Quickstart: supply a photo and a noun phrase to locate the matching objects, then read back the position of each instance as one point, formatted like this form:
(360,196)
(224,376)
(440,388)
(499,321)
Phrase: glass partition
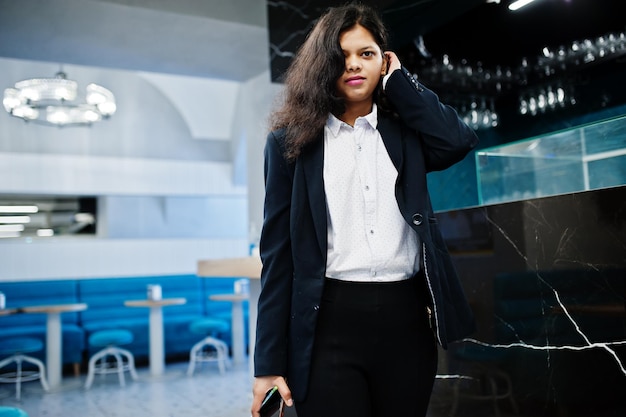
(581,158)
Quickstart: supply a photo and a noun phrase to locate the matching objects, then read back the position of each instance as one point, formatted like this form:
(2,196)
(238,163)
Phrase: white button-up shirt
(368,240)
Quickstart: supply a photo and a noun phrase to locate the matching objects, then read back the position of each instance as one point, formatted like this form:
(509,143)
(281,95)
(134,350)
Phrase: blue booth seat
(106,298)
(32,293)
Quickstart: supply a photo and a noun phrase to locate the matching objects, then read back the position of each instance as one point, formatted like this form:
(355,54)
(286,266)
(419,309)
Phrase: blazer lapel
(313,167)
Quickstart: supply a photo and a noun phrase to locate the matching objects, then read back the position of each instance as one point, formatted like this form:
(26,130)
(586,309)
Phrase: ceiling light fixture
(14,219)
(19,209)
(54,101)
(518,4)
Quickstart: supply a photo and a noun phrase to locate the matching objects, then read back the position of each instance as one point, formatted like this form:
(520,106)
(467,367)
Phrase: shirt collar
(334,124)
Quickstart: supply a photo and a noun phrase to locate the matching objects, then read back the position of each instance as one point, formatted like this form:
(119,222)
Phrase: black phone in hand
(271,403)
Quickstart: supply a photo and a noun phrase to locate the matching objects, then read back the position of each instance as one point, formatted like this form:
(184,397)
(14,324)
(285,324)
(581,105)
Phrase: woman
(357,284)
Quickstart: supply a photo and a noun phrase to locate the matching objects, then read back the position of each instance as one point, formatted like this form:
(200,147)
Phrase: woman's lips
(355,81)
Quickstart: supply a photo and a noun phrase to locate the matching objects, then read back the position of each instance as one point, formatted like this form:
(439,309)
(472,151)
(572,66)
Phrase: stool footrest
(111,360)
(208,349)
(19,375)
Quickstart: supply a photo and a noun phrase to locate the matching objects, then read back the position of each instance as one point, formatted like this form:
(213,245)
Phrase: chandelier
(54,101)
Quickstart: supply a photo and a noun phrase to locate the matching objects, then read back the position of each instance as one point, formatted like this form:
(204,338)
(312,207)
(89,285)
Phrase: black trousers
(374,354)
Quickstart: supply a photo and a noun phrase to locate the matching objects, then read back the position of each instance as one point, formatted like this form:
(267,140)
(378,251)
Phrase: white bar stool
(111,359)
(17,348)
(209,349)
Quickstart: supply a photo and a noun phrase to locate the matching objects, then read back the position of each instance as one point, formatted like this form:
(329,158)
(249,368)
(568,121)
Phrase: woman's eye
(368,53)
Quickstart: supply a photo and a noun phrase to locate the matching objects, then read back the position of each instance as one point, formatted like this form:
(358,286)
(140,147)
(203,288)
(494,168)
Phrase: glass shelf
(581,158)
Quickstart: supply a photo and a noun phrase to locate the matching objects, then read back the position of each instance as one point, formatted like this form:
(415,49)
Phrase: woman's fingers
(392,59)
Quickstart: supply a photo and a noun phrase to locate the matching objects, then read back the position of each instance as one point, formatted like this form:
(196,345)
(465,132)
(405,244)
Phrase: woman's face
(365,64)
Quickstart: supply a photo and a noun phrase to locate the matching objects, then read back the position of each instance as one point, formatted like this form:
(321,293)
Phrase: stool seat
(111,358)
(20,345)
(206,326)
(12,412)
(16,349)
(209,349)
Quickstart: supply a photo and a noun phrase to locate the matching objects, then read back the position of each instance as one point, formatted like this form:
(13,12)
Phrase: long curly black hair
(309,93)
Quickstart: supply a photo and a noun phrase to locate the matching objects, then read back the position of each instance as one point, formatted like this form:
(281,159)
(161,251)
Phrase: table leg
(238,334)
(157,355)
(54,349)
(255,291)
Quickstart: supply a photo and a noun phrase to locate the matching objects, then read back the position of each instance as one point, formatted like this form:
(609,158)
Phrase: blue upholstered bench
(106,298)
(31,293)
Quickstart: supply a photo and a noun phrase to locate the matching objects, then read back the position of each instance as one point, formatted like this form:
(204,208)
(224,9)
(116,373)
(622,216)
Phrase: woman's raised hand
(393,63)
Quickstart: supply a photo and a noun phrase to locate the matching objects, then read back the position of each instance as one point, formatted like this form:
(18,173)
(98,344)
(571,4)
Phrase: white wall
(61,258)
(257,97)
(166,198)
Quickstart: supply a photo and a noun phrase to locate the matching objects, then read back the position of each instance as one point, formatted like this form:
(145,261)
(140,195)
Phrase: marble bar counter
(546,280)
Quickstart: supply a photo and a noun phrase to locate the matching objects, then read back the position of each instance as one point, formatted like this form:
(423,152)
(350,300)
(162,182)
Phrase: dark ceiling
(290,21)
(491,33)
(482,35)
(165,37)
(475,30)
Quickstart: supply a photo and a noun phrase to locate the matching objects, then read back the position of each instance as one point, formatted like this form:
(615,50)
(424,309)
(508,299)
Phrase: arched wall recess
(207,105)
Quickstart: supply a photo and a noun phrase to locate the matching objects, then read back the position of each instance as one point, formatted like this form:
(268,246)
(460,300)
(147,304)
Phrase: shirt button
(367,188)
(371,232)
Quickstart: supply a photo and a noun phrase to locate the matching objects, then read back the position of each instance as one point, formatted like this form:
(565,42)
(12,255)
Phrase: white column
(54,350)
(255,291)
(157,348)
(238,334)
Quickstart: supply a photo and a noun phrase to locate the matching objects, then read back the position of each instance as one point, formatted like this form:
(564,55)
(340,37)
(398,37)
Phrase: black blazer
(428,136)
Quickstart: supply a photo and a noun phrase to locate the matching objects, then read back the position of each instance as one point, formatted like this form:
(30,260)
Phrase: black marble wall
(546,279)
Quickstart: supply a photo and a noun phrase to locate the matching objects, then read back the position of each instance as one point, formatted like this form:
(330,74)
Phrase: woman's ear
(383,70)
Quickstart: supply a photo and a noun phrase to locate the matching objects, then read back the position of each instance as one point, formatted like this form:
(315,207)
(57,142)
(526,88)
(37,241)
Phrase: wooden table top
(54,308)
(229,297)
(8,311)
(155,303)
(248,267)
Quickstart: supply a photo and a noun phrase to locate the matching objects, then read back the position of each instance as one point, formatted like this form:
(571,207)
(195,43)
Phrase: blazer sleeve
(274,305)
(446,138)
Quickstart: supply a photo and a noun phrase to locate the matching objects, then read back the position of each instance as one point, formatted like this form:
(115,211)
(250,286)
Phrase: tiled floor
(205,394)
